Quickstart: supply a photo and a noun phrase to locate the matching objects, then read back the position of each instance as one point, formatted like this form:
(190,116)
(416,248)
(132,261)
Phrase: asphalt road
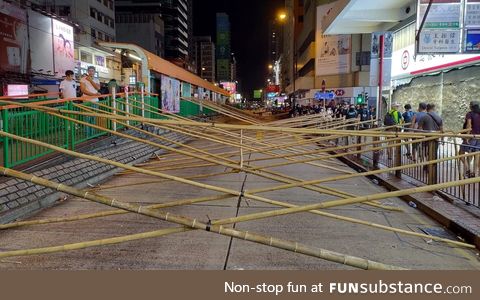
(206,250)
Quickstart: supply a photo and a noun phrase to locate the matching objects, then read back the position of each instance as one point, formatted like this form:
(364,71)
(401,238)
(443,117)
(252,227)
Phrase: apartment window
(110,4)
(105,2)
(112,23)
(93,33)
(100,16)
(93,12)
(100,35)
(105,20)
(86,57)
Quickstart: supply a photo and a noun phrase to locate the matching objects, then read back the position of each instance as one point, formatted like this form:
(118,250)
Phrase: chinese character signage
(451,26)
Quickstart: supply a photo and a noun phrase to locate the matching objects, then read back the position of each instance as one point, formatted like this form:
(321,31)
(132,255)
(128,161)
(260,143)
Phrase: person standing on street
(432,122)
(422,112)
(68,87)
(90,85)
(407,120)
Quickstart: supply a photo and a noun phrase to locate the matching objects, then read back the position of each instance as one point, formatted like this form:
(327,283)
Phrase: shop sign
(100,69)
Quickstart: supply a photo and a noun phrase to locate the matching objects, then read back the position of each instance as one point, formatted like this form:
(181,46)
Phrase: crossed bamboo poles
(291,184)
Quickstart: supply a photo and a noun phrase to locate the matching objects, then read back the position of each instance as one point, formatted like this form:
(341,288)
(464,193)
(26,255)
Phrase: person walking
(392,118)
(432,122)
(422,112)
(68,86)
(407,120)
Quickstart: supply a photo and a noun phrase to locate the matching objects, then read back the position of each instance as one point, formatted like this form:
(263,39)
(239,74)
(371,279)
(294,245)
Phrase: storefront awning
(360,16)
(152,62)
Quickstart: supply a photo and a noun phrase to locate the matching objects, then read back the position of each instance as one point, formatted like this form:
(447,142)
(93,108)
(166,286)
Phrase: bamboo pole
(254,127)
(214,228)
(183,202)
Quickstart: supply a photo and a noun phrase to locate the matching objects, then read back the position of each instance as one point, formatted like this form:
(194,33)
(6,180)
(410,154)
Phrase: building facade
(223,51)
(144,27)
(177,23)
(205,57)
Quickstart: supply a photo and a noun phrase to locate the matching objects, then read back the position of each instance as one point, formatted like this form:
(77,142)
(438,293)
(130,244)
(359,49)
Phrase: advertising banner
(186,90)
(231,87)
(334,52)
(13,38)
(170,94)
(63,47)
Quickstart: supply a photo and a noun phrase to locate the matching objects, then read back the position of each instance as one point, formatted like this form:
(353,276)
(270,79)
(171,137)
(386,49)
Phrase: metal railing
(39,125)
(409,154)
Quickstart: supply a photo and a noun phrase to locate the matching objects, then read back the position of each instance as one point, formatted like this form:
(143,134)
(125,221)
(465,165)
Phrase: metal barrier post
(114,106)
(69,125)
(142,90)
(398,160)
(376,154)
(359,148)
(6,150)
(127,104)
(432,155)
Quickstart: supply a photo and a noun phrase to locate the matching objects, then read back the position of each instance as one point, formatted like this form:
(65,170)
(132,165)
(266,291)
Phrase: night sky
(249,23)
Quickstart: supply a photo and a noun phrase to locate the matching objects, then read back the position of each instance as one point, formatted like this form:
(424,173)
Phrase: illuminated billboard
(63,47)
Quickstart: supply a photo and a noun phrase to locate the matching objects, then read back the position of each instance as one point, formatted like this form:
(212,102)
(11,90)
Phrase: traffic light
(360,99)
(366,97)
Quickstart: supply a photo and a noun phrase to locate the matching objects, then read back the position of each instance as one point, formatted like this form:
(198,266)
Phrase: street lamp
(270,67)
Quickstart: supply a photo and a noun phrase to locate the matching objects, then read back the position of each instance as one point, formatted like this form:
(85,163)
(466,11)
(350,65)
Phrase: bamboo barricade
(214,228)
(277,156)
(256,127)
(251,149)
(280,177)
(276,176)
(300,183)
(269,175)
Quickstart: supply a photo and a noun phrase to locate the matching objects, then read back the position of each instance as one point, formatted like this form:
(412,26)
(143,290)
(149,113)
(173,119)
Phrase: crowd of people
(344,110)
(424,118)
(427,119)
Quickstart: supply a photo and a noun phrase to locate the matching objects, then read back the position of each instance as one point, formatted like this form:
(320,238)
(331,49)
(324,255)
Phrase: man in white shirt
(90,85)
(68,87)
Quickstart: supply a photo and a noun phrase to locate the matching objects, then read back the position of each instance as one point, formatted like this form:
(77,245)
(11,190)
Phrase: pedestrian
(472,124)
(393,117)
(68,86)
(407,119)
(431,122)
(365,116)
(90,85)
(408,114)
(422,112)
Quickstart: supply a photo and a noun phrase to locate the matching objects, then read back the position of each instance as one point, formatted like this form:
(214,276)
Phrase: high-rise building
(176,15)
(141,27)
(205,57)
(293,26)
(233,68)
(223,53)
